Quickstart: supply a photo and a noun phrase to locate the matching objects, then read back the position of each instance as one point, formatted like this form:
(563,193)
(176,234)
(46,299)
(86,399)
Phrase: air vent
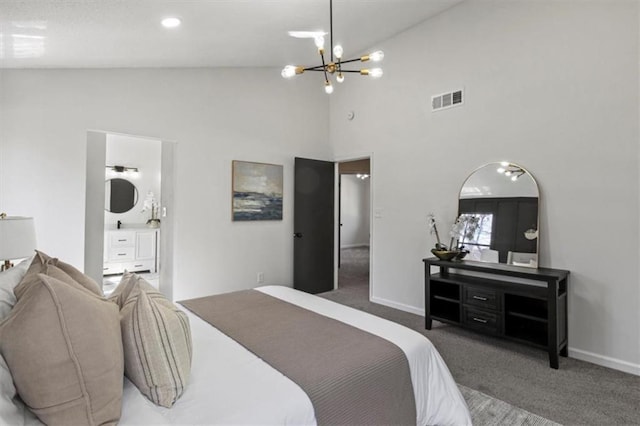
(446,100)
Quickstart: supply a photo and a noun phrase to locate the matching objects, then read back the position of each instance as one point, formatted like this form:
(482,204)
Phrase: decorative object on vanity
(504,199)
(151,205)
(257,191)
(334,65)
(455,251)
(444,254)
(17,239)
(535,313)
(120,195)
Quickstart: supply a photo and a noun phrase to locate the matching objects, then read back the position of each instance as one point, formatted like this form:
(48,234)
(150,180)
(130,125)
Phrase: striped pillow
(156,339)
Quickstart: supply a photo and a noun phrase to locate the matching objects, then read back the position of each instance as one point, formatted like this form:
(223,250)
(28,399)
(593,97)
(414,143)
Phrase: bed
(230,385)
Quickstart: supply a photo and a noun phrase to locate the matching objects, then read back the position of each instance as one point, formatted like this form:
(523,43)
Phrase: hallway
(353,274)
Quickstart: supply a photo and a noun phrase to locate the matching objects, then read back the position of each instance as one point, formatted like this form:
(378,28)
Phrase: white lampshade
(17,237)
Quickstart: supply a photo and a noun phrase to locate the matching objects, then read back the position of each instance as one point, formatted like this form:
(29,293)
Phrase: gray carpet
(579,393)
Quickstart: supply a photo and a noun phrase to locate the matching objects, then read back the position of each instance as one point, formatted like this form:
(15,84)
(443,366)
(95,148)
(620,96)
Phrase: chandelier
(511,171)
(335,63)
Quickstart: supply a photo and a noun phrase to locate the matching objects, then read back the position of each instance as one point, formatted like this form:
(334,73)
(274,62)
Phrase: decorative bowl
(444,254)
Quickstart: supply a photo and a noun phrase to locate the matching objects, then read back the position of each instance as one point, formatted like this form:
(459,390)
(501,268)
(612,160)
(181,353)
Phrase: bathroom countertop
(129,227)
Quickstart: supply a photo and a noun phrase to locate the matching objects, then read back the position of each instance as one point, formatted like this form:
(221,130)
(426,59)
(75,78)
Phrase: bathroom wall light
(122,169)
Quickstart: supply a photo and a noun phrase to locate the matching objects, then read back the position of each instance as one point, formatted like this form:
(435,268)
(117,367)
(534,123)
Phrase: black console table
(496,303)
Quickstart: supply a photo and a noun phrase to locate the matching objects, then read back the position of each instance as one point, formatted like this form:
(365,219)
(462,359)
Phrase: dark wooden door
(313,225)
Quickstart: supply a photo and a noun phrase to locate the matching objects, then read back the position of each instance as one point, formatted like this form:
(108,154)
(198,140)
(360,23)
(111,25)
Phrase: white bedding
(230,385)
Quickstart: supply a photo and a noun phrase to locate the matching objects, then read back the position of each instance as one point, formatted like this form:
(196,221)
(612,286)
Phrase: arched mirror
(499,206)
(120,195)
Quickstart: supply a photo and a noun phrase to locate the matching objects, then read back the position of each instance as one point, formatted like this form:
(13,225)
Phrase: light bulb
(319,42)
(328,88)
(504,163)
(288,71)
(375,72)
(340,78)
(501,170)
(514,178)
(358,175)
(376,56)
(507,173)
(171,22)
(337,51)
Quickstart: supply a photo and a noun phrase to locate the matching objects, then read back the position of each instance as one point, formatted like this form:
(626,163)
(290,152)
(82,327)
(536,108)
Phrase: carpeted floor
(579,393)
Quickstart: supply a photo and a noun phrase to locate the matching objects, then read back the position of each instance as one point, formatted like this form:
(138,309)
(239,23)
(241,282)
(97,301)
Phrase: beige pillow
(40,262)
(39,265)
(64,350)
(156,340)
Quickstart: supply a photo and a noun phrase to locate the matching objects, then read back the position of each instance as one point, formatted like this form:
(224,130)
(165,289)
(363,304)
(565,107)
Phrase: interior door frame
(337,161)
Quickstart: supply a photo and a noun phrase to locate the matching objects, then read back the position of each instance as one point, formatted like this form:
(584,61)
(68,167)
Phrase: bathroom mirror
(500,204)
(120,195)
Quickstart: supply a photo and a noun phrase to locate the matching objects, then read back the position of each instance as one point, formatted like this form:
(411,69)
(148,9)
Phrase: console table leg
(564,351)
(554,362)
(428,322)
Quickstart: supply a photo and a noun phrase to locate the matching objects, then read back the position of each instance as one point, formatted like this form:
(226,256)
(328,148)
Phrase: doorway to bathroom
(129,194)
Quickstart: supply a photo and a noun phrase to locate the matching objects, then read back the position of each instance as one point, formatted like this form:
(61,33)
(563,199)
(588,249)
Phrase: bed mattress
(230,385)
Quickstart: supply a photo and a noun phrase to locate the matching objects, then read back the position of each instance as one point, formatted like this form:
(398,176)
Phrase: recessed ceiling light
(170,22)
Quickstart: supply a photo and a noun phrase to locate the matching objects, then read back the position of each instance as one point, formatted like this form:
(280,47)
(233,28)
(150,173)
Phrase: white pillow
(8,280)
(12,410)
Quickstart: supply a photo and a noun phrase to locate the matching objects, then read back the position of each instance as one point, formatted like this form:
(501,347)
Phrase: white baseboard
(399,306)
(602,360)
(353,245)
(605,361)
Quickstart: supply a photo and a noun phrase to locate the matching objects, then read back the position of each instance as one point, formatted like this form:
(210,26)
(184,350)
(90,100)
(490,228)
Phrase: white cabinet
(133,250)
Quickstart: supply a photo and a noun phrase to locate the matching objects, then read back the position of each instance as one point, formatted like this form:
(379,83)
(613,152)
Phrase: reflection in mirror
(501,200)
(120,195)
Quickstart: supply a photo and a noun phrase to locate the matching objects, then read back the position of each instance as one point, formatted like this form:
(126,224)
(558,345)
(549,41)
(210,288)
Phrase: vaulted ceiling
(214,33)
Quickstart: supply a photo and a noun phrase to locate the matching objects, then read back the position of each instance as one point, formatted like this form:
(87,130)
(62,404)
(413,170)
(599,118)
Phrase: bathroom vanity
(134,249)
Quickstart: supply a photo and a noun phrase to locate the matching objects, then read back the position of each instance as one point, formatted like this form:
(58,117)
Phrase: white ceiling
(214,33)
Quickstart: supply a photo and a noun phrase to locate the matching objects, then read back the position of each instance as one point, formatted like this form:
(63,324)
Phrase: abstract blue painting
(257,191)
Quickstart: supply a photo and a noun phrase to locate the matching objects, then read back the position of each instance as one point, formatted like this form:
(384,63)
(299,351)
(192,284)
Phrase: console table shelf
(527,305)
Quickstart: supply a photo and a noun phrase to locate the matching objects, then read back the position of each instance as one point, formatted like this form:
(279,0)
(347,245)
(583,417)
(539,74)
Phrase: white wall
(552,86)
(354,211)
(215,116)
(143,154)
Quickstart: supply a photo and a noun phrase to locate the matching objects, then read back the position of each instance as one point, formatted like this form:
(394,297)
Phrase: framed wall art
(256,191)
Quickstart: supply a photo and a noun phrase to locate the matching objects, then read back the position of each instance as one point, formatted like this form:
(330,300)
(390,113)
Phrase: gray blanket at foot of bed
(351,376)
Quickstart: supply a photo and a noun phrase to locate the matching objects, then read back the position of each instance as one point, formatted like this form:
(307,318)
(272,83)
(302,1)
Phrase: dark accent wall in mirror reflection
(504,199)
(512,216)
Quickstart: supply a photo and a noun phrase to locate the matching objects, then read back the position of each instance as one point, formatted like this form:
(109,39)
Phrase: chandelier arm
(352,60)
(324,67)
(358,71)
(315,68)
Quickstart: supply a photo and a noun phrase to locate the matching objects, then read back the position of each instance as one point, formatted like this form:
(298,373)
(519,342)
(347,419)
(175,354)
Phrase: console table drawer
(481,320)
(486,298)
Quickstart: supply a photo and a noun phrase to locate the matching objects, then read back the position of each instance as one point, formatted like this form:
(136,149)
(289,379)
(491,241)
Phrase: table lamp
(17,239)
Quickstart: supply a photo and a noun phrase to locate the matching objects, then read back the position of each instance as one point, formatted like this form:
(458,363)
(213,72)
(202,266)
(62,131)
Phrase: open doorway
(354,231)
(132,203)
(130,189)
